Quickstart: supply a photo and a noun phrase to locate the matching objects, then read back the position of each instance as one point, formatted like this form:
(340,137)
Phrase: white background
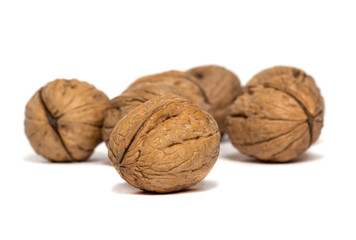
(110,44)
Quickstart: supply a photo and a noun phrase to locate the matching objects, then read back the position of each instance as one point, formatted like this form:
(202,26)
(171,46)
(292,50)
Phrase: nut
(167,144)
(130,99)
(63,120)
(221,87)
(187,86)
(278,116)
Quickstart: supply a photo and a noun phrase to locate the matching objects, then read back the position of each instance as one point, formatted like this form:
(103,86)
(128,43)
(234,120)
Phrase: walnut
(63,120)
(165,145)
(278,116)
(180,80)
(130,99)
(221,87)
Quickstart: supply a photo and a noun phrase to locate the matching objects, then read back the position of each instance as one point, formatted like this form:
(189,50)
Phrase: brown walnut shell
(165,145)
(130,99)
(63,120)
(221,87)
(278,116)
(187,86)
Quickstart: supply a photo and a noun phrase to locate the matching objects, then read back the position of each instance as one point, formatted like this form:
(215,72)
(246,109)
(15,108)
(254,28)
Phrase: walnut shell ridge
(221,87)
(63,120)
(278,116)
(167,144)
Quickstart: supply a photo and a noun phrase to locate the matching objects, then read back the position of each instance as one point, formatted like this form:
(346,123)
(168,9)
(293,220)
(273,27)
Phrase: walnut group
(163,132)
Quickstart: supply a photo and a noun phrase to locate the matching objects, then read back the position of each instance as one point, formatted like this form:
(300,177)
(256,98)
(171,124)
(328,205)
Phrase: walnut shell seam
(53,123)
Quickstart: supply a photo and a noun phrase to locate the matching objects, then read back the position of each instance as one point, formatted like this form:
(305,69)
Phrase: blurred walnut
(221,87)
(63,120)
(166,144)
(130,99)
(278,116)
(186,86)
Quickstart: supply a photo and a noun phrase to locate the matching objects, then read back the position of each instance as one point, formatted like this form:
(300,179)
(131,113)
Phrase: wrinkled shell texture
(180,80)
(63,120)
(167,144)
(130,99)
(278,116)
(221,87)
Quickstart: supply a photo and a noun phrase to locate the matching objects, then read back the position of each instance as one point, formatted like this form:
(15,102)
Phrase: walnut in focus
(278,116)
(221,87)
(63,120)
(165,145)
(130,99)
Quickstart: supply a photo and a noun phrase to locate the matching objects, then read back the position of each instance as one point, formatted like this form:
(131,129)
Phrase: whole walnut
(130,99)
(221,87)
(165,145)
(278,116)
(180,80)
(63,120)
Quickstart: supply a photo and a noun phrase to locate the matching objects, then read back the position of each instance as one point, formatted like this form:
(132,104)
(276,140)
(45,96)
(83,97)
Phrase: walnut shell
(278,116)
(188,87)
(221,87)
(130,99)
(63,120)
(167,144)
